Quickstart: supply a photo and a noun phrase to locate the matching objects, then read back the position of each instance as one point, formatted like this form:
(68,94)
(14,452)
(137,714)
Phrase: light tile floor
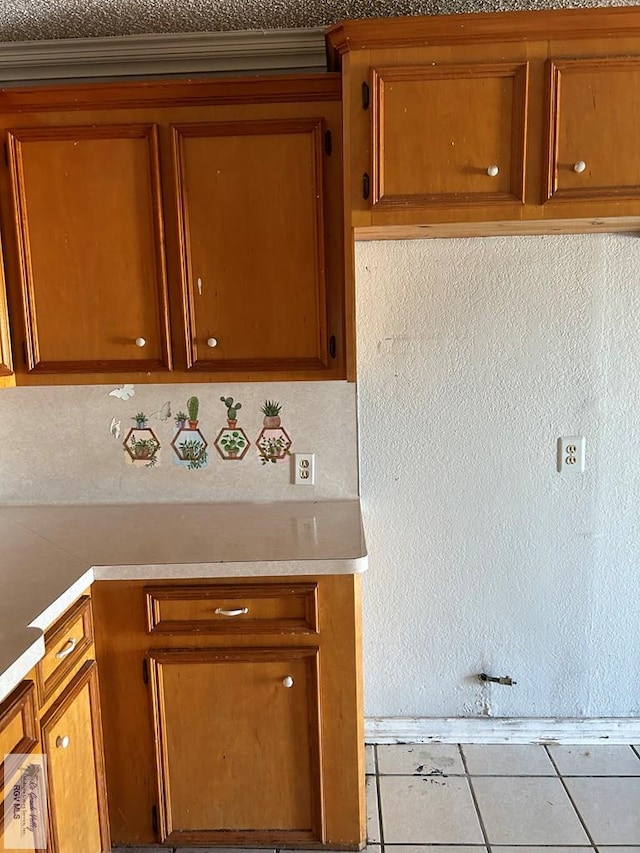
(503,798)
(447,798)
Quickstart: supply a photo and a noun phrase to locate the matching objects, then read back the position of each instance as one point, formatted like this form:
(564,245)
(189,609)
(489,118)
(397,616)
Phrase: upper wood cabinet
(251,216)
(91,248)
(429,150)
(517,122)
(594,118)
(175,231)
(7,377)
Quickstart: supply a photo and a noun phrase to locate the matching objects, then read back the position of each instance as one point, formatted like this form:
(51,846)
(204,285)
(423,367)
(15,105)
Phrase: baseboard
(502,730)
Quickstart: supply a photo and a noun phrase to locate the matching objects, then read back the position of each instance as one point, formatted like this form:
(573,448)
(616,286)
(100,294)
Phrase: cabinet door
(7,378)
(90,247)
(25,830)
(446,135)
(250,208)
(237,738)
(594,119)
(72,738)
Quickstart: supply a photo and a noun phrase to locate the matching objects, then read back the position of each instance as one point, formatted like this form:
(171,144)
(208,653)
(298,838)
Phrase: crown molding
(233,52)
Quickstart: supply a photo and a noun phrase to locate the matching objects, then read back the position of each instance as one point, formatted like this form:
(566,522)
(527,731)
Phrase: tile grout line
(475,801)
(568,793)
(379,799)
(520,776)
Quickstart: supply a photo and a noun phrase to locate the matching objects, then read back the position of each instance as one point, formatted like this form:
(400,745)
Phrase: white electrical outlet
(571,454)
(304,469)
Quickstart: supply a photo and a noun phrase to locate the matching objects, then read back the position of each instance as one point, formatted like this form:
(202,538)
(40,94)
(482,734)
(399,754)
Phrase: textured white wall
(474,356)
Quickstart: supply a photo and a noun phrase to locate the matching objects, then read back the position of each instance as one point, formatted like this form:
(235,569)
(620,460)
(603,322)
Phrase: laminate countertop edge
(45,556)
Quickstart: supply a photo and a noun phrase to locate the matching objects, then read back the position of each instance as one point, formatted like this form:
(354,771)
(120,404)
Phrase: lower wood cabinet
(19,737)
(76,785)
(235,729)
(55,711)
(219,712)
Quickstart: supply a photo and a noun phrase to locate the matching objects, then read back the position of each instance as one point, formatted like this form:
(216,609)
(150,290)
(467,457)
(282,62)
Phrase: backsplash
(176,443)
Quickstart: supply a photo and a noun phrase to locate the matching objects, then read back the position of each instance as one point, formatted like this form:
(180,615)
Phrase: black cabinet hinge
(366,188)
(145,671)
(154,819)
(365,96)
(332,346)
(328,143)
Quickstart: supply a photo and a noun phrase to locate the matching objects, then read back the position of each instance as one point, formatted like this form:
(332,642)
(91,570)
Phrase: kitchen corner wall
(474,357)
(65,444)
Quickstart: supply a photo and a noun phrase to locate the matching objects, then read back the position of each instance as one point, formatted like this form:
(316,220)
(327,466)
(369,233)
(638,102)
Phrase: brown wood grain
(237,751)
(91,247)
(76,782)
(122,644)
(268,609)
(251,226)
(18,726)
(594,116)
(432,147)
(272,268)
(480,28)
(75,625)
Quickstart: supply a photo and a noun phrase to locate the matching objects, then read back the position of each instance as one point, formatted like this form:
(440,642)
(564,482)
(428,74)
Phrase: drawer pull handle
(68,647)
(240,611)
(141,342)
(62,741)
(492,171)
(580,166)
(287,681)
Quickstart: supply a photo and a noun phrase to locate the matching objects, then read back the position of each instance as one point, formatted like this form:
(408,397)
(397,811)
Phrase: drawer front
(272,608)
(65,646)
(18,730)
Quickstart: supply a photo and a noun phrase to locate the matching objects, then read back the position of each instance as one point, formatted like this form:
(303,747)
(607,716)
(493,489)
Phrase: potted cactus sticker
(193,407)
(232,441)
(232,411)
(273,442)
(189,444)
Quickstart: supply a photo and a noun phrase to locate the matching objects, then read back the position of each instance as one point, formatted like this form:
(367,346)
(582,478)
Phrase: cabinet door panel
(594,117)
(90,244)
(250,206)
(238,751)
(437,130)
(72,739)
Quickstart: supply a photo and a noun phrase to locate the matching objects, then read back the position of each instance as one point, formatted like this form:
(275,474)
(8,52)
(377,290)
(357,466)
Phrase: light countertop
(51,554)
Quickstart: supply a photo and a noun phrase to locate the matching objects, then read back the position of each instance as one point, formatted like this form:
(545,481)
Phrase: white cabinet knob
(140,342)
(212,342)
(62,742)
(580,166)
(287,681)
(492,171)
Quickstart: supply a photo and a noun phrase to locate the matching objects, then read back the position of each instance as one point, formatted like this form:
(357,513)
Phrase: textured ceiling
(26,20)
